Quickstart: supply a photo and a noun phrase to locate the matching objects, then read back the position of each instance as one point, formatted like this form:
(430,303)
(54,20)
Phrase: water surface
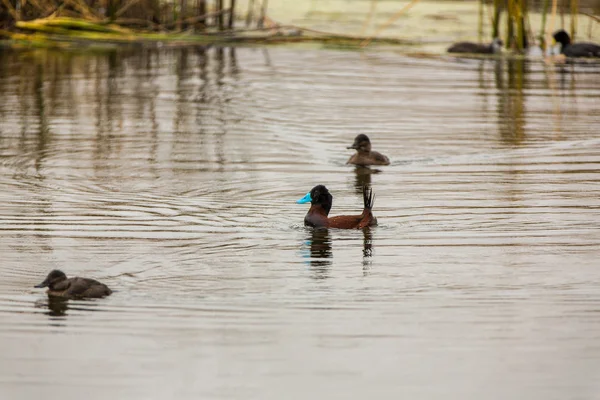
(170,174)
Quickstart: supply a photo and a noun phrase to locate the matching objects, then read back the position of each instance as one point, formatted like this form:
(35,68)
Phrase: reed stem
(480,20)
(552,21)
(510,28)
(220,19)
(496,19)
(263,13)
(231,14)
(369,17)
(574,12)
(389,22)
(250,13)
(523,16)
(201,12)
(543,43)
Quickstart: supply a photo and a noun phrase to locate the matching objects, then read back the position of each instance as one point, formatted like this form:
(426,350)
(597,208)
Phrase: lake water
(171,175)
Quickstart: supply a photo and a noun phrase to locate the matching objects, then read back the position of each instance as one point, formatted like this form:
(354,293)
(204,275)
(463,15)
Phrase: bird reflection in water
(362,177)
(319,254)
(367,250)
(57,306)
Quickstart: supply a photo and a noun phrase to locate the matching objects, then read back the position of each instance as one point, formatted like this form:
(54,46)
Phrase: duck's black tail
(367,218)
(368,197)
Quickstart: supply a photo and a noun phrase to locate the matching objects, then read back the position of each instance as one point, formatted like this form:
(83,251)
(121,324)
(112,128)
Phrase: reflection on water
(170,174)
(319,244)
(320,255)
(363,177)
(57,306)
(511,104)
(367,245)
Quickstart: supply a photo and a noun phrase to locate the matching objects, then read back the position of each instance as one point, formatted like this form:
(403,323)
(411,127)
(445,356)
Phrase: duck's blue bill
(305,199)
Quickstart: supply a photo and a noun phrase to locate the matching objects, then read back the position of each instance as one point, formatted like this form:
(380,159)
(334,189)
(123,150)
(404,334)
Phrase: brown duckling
(475,48)
(364,155)
(73,288)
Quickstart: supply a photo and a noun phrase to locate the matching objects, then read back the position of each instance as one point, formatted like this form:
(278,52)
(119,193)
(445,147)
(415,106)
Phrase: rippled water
(171,175)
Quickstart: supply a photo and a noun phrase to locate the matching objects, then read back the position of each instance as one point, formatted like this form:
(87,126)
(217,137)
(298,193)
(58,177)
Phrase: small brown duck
(364,156)
(475,48)
(73,288)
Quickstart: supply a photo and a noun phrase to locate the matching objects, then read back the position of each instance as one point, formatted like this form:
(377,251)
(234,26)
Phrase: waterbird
(320,204)
(364,155)
(73,288)
(581,49)
(476,48)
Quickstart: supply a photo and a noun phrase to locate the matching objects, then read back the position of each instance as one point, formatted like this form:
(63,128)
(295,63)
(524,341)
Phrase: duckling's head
(54,277)
(562,37)
(361,143)
(319,195)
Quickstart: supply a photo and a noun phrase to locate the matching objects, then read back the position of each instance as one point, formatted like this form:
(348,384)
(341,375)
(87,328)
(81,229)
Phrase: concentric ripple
(171,175)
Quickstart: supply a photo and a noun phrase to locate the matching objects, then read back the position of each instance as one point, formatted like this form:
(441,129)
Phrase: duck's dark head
(319,195)
(562,37)
(54,277)
(361,143)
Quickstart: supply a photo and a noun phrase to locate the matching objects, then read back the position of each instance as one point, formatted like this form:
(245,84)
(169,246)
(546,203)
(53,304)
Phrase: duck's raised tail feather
(368,197)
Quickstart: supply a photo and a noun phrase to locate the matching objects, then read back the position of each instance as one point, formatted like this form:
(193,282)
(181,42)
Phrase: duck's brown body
(79,288)
(476,48)
(73,288)
(317,218)
(368,158)
(364,155)
(321,202)
(471,48)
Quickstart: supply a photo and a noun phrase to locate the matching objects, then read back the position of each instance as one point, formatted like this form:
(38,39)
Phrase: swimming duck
(476,48)
(364,155)
(577,49)
(321,201)
(73,288)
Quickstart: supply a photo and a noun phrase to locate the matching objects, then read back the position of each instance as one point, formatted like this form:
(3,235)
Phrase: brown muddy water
(171,175)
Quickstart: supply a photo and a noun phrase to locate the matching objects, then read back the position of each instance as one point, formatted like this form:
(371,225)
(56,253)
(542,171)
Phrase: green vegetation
(519,32)
(43,22)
